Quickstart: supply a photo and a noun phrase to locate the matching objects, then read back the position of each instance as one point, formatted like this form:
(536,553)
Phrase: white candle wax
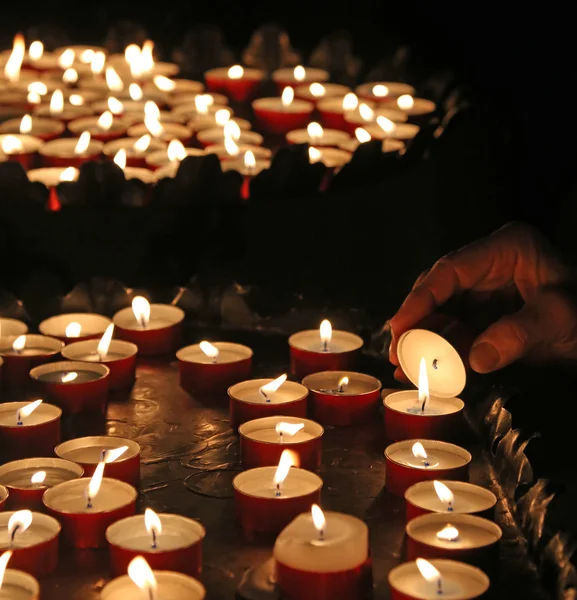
(44,413)
(249,391)
(328,382)
(170,586)
(12,327)
(68,113)
(28,143)
(18,585)
(310,340)
(260,483)
(161,316)
(91,125)
(384,91)
(330,90)
(36,345)
(51,176)
(88,450)
(408,401)
(127,144)
(421,106)
(468,498)
(227,353)
(264,430)
(144,175)
(239,165)
(440,455)
(287,76)
(42,529)
(344,546)
(330,137)
(39,127)
(18,473)
(64,148)
(91,324)
(272,437)
(222,73)
(88,351)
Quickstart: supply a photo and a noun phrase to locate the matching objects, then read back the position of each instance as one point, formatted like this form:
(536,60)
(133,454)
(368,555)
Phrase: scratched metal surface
(190,456)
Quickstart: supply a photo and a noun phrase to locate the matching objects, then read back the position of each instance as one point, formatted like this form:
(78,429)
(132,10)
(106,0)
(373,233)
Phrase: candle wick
(88,502)
(102,455)
(280,438)
(425,399)
(439,586)
(340,389)
(435,364)
(325,346)
(267,399)
(321,535)
(150,592)
(450,507)
(154,544)
(14,534)
(426,462)
(19,419)
(277,492)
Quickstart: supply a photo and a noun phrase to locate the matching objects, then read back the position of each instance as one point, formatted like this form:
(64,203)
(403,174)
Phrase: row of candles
(316,555)
(148,143)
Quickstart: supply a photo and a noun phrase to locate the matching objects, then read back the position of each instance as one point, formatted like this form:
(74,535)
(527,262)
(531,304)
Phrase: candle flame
(76,99)
(366,112)
(222,117)
(83,143)
(14,62)
(273,386)
(112,454)
(419,451)
(299,73)
(288,428)
(319,519)
(141,310)
(29,409)
(33,98)
(38,87)
(115,106)
(70,75)
(380,90)
(135,92)
(142,143)
(120,159)
(19,522)
(249,159)
(287,460)
(105,120)
(343,382)
(151,110)
(113,80)
(95,483)
(26,124)
(152,522)
(176,151)
(4,558)
(19,343)
(57,102)
(362,135)
(73,330)
(164,84)
(87,56)
(350,101)
(317,90)
(11,145)
(104,343)
(326,332)
(427,570)
(141,574)
(231,147)
(287,96)
(423,384)
(69,377)
(66,59)
(132,53)
(315,130)
(232,130)
(68,174)
(235,72)
(36,50)
(146,58)
(449,533)
(444,493)
(386,124)
(405,102)
(315,155)
(97,63)
(201,103)
(38,478)
(210,350)
(154,126)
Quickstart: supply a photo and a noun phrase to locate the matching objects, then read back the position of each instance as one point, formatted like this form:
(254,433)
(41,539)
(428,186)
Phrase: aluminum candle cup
(262,441)
(247,402)
(87,452)
(34,549)
(200,373)
(449,497)
(343,397)
(84,527)
(413,461)
(18,585)
(120,359)
(383,91)
(18,477)
(74,386)
(177,548)
(75,327)
(43,129)
(27,435)
(169,585)
(37,350)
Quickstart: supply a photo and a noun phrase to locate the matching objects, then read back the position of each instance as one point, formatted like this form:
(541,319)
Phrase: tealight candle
(28,479)
(67,113)
(20,147)
(448,497)
(258,398)
(281,115)
(144,175)
(213,367)
(441,578)
(248,166)
(175,153)
(87,507)
(29,429)
(166,541)
(22,353)
(117,355)
(262,441)
(154,328)
(229,150)
(137,149)
(315,135)
(33,540)
(74,386)
(413,461)
(383,91)
(472,539)
(237,82)
(166,131)
(4,497)
(267,499)
(142,582)
(388,119)
(104,128)
(53,176)
(68,152)
(192,105)
(43,129)
(323,349)
(122,456)
(75,326)
(297,76)
(332,158)
(12,327)
(173,87)
(343,397)
(321,556)
(388,146)
(217,135)
(334,111)
(415,107)
(17,585)
(315,92)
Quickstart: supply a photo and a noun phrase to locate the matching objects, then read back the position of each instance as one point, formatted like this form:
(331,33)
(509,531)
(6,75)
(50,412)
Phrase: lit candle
(75,326)
(332,158)
(173,155)
(16,585)
(52,176)
(315,135)
(71,151)
(237,82)
(229,150)
(362,136)
(61,111)
(20,148)
(231,130)
(383,128)
(281,115)
(334,111)
(297,76)
(315,92)
(415,107)
(43,129)
(383,91)
(174,86)
(144,175)
(163,131)
(137,149)
(104,128)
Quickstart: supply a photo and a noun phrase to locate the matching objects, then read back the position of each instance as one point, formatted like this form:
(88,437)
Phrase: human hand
(515,260)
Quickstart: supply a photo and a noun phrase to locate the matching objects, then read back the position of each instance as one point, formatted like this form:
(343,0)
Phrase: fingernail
(484,357)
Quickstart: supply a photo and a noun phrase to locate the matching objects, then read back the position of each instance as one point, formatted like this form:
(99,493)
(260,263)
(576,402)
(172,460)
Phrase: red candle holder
(38,434)
(17,475)
(84,527)
(422,499)
(247,403)
(404,469)
(333,113)
(92,326)
(383,91)
(87,452)
(24,150)
(87,392)
(477,542)
(22,583)
(352,403)
(465,581)
(37,552)
(116,130)
(182,551)
(43,129)
(274,117)
(286,77)
(261,445)
(38,350)
(308,356)
(134,157)
(241,88)
(257,509)
(4,497)
(60,153)
(161,336)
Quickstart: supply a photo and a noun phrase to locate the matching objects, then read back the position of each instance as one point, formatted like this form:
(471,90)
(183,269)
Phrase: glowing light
(132,53)
(11,145)
(176,151)
(120,159)
(283,428)
(423,384)
(287,96)
(326,333)
(38,87)
(405,102)
(151,110)
(222,117)
(87,56)
(419,451)
(231,147)
(319,520)
(115,106)
(109,456)
(272,387)
(315,155)
(113,80)
(146,58)
(36,50)
(449,533)
(95,483)
(76,99)
(444,493)
(380,90)
(235,72)
(104,343)
(154,126)
(26,411)
(26,124)
(105,120)
(317,90)
(83,143)
(38,478)
(68,174)
(70,75)
(386,124)
(19,523)
(350,102)
(33,98)
(427,570)
(56,102)
(73,330)
(135,92)
(164,84)
(142,143)
(210,350)
(97,63)
(66,59)
(14,62)
(232,130)
(366,112)
(141,310)
(343,382)
(4,558)
(152,524)
(362,135)
(287,460)
(69,377)
(299,73)
(20,342)
(249,160)
(315,131)
(141,574)
(201,104)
